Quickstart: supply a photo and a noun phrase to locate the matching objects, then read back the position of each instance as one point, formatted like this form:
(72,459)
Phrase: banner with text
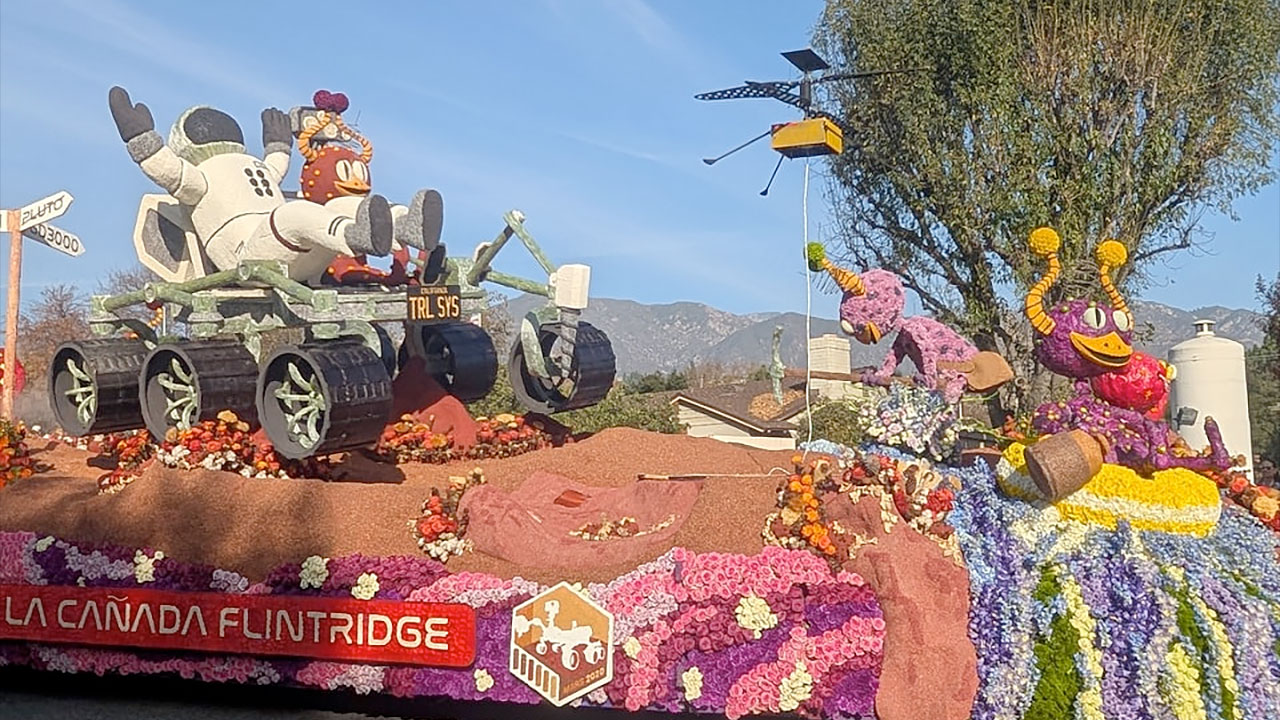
(376,631)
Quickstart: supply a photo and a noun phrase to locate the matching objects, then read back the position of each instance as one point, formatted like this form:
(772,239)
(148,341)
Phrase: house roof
(751,403)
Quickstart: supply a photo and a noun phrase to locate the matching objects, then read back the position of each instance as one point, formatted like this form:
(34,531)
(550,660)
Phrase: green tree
(1100,118)
(1262,364)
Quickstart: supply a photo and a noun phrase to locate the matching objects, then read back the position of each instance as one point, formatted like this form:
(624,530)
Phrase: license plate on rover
(435,303)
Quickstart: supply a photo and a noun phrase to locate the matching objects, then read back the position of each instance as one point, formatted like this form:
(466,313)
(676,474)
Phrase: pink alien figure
(872,308)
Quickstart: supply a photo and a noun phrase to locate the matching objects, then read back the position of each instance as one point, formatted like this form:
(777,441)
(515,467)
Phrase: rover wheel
(323,398)
(183,384)
(588,381)
(93,385)
(458,355)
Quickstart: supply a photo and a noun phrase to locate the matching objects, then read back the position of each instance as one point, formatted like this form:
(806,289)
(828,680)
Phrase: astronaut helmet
(202,132)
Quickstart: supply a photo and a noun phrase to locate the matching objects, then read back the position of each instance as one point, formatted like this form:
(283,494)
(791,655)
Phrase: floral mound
(15,458)
(1078,621)
(710,632)
(439,530)
(1262,501)
(1175,500)
(412,440)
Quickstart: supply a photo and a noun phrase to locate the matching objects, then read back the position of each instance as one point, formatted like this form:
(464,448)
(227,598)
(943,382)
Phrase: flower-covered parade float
(320,510)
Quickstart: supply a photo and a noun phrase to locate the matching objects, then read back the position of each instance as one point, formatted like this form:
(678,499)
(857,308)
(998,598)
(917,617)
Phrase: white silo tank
(1210,379)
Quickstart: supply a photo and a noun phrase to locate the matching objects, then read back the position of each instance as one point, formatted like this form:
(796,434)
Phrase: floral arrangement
(410,440)
(907,489)
(129,453)
(710,633)
(1176,500)
(1262,501)
(15,458)
(906,417)
(224,443)
(1076,620)
(440,528)
(622,528)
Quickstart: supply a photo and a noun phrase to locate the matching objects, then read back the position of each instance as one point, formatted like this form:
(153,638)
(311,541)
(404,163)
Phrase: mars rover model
(314,365)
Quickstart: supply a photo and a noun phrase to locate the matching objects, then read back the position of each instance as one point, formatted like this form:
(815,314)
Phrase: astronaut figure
(237,208)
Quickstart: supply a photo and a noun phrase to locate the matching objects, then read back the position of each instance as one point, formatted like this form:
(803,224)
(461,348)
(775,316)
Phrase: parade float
(294,495)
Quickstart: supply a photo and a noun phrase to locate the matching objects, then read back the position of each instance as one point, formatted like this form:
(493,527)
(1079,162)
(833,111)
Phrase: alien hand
(131,120)
(275,128)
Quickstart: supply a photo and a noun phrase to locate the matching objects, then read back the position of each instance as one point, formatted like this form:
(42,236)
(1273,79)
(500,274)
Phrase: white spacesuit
(237,208)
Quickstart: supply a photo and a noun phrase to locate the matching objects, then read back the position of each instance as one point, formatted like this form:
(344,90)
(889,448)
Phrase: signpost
(29,221)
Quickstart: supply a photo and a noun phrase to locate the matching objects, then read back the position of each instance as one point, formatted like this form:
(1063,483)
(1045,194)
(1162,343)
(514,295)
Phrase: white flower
(795,688)
(484,680)
(315,570)
(366,587)
(43,543)
(144,567)
(631,647)
(754,614)
(691,680)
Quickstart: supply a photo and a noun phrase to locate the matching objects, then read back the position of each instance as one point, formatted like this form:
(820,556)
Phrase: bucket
(1061,464)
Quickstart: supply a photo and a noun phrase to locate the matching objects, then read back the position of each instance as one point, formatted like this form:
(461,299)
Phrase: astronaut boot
(371,232)
(420,227)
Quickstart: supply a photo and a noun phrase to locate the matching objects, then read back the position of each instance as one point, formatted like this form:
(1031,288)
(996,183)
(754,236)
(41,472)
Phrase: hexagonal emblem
(560,644)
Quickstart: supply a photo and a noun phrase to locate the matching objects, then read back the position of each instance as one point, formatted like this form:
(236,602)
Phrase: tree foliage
(59,315)
(1101,118)
(656,381)
(1262,364)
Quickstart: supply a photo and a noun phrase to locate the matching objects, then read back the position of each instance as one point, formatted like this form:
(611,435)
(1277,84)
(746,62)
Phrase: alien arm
(891,362)
(178,177)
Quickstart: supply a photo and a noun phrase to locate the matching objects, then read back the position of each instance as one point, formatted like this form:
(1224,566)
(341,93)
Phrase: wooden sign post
(32,217)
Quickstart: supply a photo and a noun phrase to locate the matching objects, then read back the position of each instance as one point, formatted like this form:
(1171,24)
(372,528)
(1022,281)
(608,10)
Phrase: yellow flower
(1266,507)
(795,688)
(691,680)
(631,647)
(1181,685)
(484,680)
(754,614)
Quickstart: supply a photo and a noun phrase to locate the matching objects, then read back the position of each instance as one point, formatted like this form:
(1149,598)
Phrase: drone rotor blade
(714,160)
(871,73)
(750,90)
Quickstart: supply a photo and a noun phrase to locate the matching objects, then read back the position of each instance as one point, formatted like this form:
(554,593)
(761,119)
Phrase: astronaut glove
(131,120)
(275,128)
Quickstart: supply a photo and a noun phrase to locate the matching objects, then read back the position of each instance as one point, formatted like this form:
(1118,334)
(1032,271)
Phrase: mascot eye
(1122,320)
(1094,318)
(361,170)
(344,170)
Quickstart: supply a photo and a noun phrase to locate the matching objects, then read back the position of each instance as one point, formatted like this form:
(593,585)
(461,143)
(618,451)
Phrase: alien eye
(361,170)
(1094,318)
(1122,320)
(344,170)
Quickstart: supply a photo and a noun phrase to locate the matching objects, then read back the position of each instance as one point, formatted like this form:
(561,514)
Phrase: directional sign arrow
(56,238)
(42,211)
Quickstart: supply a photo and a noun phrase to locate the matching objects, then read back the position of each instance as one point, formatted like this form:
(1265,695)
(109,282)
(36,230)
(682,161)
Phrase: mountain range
(667,337)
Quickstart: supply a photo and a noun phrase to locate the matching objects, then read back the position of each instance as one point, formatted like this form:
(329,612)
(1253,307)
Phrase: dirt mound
(250,525)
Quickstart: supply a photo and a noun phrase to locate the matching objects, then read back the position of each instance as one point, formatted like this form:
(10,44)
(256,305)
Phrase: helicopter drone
(820,133)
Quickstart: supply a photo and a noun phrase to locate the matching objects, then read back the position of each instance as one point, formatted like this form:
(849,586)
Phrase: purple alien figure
(1081,339)
(872,308)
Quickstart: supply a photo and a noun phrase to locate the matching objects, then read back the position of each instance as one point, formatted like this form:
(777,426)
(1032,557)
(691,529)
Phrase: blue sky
(578,112)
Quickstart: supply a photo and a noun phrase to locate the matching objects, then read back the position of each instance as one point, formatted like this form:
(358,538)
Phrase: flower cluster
(128,453)
(1262,501)
(800,522)
(410,440)
(910,418)
(226,443)
(623,527)
(1098,620)
(812,641)
(439,530)
(15,459)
